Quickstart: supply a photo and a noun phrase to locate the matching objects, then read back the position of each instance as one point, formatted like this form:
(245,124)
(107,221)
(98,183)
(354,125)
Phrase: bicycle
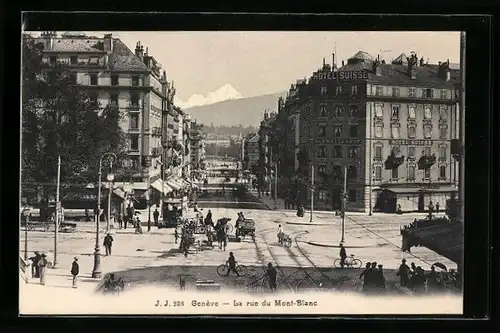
(349,262)
(259,284)
(224,268)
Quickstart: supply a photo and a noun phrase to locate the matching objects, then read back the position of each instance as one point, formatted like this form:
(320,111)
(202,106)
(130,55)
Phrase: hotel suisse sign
(336,141)
(410,142)
(341,75)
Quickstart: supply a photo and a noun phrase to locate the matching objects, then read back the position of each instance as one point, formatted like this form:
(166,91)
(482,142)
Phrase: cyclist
(280,234)
(271,274)
(231,263)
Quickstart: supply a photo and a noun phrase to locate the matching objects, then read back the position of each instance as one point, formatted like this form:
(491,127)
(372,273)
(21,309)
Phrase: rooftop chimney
(324,63)
(108,42)
(342,63)
(139,51)
(412,66)
(333,60)
(48,39)
(377,68)
(422,61)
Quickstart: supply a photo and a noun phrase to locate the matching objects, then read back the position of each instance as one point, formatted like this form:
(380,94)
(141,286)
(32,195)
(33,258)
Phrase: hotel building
(387,127)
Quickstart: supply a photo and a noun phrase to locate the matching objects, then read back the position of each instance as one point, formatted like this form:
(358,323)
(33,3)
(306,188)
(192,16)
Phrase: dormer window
(412,92)
(428,93)
(444,94)
(114,80)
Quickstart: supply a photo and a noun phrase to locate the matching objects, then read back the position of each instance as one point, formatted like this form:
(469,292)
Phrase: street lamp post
(148,199)
(110,178)
(312,193)
(96,272)
(274,165)
(344,197)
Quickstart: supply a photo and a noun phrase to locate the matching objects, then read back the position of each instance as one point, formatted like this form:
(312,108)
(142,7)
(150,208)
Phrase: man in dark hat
(75,270)
(343,255)
(364,276)
(380,279)
(271,275)
(403,273)
(34,265)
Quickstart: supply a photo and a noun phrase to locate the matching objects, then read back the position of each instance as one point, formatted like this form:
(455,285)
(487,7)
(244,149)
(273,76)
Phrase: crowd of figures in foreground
(411,277)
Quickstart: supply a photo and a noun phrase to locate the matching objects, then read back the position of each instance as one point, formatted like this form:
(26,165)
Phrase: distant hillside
(245,111)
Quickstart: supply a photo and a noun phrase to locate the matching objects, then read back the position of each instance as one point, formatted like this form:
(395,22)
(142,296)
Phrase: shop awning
(160,185)
(119,192)
(174,185)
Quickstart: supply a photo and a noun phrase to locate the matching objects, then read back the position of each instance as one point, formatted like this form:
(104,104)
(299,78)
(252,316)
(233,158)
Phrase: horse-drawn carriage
(245,228)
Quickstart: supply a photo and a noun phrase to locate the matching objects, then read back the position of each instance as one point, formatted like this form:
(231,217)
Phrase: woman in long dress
(42,264)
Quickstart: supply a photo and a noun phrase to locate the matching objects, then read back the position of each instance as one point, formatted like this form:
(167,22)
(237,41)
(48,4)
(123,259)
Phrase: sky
(265,62)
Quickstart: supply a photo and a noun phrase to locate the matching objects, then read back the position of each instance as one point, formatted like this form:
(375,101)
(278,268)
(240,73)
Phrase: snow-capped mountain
(224,93)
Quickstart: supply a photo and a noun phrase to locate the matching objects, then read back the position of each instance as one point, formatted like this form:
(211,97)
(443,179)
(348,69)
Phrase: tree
(60,118)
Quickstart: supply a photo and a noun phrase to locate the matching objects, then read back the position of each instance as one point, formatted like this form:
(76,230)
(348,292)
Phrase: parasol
(440,265)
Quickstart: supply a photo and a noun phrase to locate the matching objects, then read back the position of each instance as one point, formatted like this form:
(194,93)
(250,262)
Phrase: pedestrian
(343,255)
(108,243)
(231,263)
(279,234)
(371,278)
(35,269)
(404,274)
(271,275)
(364,276)
(120,221)
(156,216)
(42,267)
(176,235)
(75,270)
(432,279)
(285,202)
(437,207)
(380,280)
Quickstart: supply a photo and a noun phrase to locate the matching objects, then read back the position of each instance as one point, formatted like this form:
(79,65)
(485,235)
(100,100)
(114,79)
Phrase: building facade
(135,84)
(383,129)
(251,152)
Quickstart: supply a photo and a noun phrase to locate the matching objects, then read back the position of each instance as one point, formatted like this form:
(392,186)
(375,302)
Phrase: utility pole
(312,193)
(58,207)
(344,197)
(110,179)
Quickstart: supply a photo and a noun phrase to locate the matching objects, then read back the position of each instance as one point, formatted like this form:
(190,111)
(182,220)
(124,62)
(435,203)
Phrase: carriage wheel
(287,242)
(336,263)
(230,228)
(222,269)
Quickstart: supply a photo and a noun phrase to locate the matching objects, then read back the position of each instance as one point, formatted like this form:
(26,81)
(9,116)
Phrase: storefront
(412,199)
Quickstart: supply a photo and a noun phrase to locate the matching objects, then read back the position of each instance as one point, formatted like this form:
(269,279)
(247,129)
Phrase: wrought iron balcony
(393,161)
(426,161)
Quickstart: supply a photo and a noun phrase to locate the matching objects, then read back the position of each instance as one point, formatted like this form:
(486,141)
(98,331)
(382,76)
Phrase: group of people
(373,279)
(416,279)
(40,263)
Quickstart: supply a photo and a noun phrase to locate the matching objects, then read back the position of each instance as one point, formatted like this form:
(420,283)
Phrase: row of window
(94,80)
(443,150)
(73,60)
(339,111)
(412,92)
(412,131)
(352,152)
(339,91)
(395,92)
(411,173)
(338,130)
(411,112)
